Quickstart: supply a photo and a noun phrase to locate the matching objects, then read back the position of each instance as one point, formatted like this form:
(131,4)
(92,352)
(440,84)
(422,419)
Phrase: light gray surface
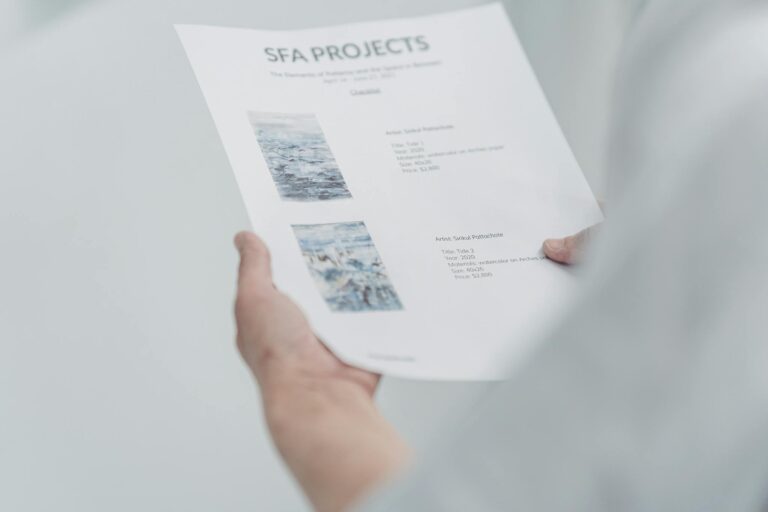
(119,385)
(22,17)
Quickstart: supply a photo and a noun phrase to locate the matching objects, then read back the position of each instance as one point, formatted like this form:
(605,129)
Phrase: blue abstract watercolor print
(346,267)
(298,157)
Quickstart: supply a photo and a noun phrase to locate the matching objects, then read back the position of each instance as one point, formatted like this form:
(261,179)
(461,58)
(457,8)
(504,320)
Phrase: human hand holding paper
(320,411)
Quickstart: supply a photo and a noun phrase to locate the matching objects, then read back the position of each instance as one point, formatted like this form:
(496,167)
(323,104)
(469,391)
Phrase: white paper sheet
(404,174)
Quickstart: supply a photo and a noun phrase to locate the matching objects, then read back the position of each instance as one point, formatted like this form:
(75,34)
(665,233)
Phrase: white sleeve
(652,394)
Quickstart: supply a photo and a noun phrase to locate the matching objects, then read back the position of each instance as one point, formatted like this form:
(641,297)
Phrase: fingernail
(554,244)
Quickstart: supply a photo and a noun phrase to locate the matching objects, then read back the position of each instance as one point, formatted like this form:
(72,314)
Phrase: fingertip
(553,245)
(249,243)
(255,260)
(241,239)
(555,249)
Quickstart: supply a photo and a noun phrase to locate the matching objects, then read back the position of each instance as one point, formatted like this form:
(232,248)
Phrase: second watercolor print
(346,267)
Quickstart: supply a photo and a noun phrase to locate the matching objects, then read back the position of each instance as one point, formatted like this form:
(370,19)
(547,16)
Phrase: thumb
(567,250)
(255,274)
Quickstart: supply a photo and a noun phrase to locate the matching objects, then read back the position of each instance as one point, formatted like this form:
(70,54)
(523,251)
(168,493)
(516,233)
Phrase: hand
(319,410)
(569,250)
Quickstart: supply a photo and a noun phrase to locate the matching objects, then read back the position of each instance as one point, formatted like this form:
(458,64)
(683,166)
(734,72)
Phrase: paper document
(404,174)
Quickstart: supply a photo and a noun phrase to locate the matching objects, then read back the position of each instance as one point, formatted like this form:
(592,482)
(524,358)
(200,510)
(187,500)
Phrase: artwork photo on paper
(346,267)
(298,156)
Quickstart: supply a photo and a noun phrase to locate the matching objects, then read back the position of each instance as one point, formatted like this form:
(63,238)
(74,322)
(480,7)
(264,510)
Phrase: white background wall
(119,385)
(19,17)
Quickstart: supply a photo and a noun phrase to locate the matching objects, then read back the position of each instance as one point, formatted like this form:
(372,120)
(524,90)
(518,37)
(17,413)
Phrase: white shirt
(652,393)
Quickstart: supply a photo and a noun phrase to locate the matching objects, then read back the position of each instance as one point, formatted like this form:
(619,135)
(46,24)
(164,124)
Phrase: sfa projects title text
(350,51)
